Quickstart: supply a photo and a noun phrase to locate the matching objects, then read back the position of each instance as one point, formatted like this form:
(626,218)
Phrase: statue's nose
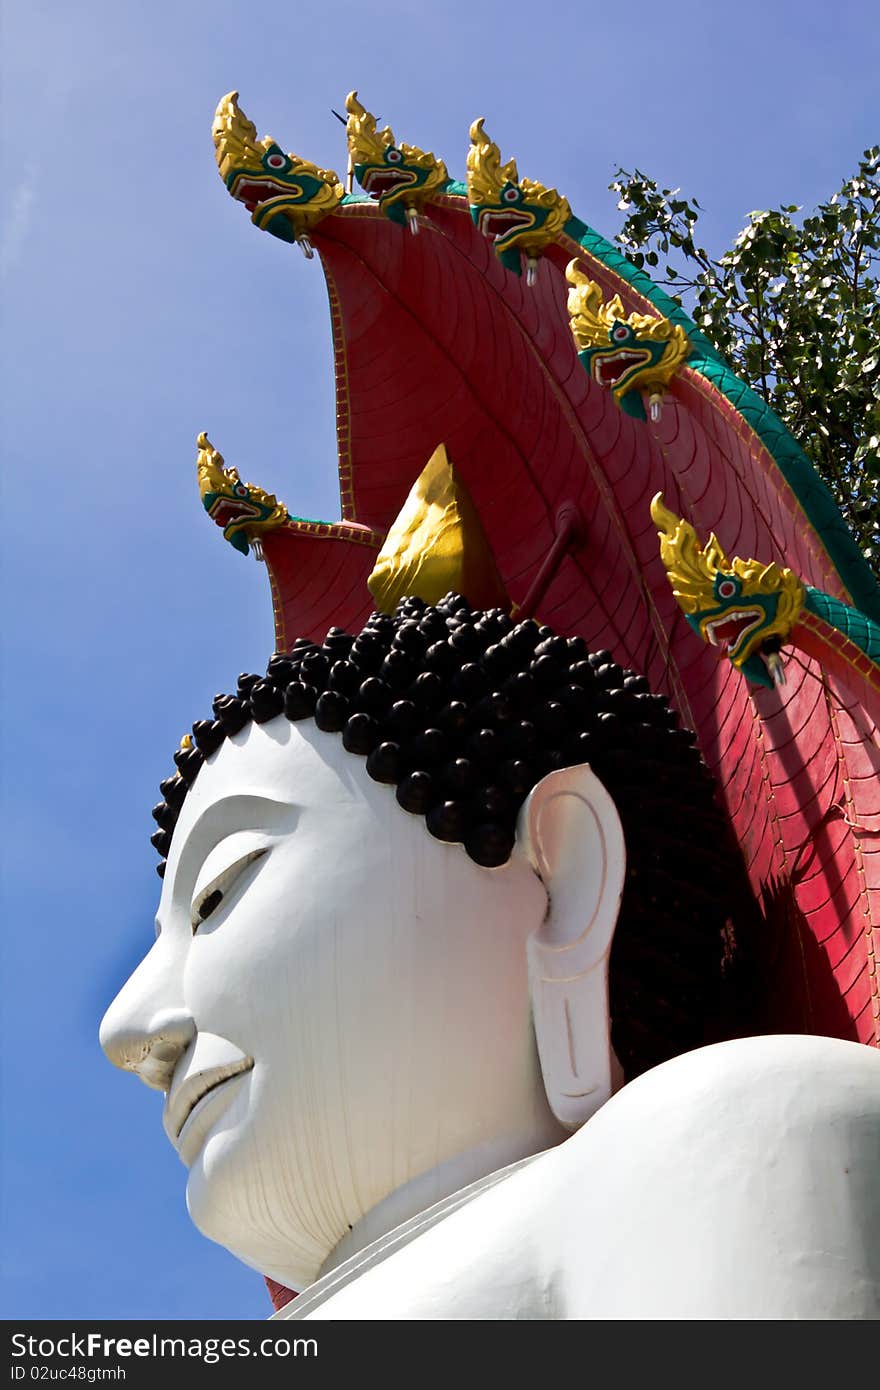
(146,1030)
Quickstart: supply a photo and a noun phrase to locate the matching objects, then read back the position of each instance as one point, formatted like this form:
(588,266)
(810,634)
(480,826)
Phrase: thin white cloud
(15,227)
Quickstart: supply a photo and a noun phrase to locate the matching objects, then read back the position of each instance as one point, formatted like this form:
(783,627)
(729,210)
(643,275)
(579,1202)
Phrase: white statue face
(353,1010)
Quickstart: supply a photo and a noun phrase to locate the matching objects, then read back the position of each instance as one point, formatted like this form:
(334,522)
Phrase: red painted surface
(436,342)
(318,575)
(279,1295)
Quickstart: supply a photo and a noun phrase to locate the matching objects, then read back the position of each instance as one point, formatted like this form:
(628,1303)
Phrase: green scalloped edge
(811,492)
(861,630)
(314,521)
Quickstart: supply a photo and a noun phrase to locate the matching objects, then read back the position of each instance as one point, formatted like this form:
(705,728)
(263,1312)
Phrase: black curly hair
(464,712)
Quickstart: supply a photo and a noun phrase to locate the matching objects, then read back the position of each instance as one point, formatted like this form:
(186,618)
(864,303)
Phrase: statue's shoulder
(738,1180)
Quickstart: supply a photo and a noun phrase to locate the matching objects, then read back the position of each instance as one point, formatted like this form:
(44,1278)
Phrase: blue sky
(139,307)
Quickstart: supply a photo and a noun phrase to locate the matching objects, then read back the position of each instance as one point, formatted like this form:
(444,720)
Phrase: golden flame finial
(486,175)
(366,144)
(437,544)
(235,137)
(691,568)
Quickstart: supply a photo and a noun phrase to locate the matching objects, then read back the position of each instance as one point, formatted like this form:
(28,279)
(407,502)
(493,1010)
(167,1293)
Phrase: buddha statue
(425,964)
(455,997)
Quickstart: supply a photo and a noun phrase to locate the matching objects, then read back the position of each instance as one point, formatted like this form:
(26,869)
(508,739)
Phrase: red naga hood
(436,341)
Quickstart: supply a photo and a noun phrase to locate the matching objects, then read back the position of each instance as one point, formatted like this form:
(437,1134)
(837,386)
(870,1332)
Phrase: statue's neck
(424,1191)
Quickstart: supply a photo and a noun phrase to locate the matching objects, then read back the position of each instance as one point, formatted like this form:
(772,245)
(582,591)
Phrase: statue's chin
(237,1195)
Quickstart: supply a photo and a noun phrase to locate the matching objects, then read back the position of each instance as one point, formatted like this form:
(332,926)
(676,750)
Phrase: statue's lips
(497,225)
(608,370)
(183,1103)
(227,512)
(731,630)
(379,182)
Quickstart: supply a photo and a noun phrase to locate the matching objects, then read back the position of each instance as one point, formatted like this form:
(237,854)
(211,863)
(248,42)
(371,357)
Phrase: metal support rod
(569,529)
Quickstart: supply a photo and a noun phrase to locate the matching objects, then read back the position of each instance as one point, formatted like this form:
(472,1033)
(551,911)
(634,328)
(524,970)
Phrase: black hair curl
(464,712)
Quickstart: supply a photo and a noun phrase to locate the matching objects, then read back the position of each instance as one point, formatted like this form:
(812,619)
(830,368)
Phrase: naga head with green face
(284,194)
(243,512)
(626,354)
(515,214)
(400,177)
(745,608)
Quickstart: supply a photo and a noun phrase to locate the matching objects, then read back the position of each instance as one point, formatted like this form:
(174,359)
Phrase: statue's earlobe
(571,833)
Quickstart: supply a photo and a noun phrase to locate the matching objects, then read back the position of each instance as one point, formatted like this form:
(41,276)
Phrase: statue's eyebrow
(253,811)
(226,816)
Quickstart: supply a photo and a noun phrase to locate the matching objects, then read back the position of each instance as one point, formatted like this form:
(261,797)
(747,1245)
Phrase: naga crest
(400,177)
(244,512)
(624,353)
(515,214)
(742,606)
(284,194)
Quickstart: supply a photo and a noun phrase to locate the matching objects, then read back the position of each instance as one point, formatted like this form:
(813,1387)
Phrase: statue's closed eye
(208,899)
(207,905)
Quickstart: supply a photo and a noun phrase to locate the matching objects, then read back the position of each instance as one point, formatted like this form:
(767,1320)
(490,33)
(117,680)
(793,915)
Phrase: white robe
(739,1181)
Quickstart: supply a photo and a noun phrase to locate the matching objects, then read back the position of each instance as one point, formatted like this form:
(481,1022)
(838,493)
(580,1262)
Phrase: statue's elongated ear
(571,833)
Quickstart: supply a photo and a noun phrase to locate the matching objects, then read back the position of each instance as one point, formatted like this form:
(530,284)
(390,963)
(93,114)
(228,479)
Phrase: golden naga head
(243,511)
(621,351)
(742,606)
(284,194)
(400,177)
(514,213)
